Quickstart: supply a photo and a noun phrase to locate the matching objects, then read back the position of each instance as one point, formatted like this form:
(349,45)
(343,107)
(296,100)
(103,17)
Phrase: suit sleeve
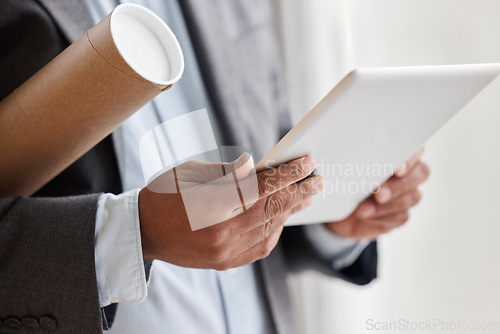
(47,265)
(301,255)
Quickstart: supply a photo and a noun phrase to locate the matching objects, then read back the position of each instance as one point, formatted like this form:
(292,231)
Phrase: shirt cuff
(341,252)
(118,250)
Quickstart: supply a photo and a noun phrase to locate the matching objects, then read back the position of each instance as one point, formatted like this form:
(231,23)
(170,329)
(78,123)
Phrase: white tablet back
(370,124)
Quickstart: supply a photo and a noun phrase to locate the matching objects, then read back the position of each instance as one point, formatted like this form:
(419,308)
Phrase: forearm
(47,262)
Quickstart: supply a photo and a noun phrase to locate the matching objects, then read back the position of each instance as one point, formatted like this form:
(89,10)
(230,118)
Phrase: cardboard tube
(83,94)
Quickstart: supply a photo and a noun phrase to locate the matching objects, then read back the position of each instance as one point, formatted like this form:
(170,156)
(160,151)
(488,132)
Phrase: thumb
(241,167)
(195,172)
(215,172)
(227,172)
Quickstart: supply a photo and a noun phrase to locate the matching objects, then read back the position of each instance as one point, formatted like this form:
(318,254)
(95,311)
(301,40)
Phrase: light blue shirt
(180,300)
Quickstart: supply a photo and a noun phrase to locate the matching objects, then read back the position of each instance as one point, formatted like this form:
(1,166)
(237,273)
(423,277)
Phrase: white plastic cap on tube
(147,44)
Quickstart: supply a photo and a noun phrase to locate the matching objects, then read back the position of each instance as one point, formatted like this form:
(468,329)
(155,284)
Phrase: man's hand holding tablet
(388,208)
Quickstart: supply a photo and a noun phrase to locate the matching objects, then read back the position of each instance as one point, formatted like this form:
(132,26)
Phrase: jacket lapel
(71,16)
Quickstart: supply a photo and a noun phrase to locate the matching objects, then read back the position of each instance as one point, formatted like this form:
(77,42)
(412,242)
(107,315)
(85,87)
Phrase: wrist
(144,223)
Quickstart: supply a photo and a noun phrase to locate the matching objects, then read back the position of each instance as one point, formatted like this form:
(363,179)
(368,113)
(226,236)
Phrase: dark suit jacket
(47,264)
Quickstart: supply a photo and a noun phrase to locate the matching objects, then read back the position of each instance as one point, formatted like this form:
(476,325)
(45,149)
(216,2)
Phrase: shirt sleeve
(118,252)
(341,252)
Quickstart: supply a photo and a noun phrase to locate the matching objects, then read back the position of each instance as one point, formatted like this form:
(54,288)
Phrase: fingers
(370,208)
(242,167)
(371,229)
(389,207)
(270,181)
(258,251)
(260,233)
(396,186)
(250,246)
(189,174)
(410,164)
(274,205)
(253,245)
(390,221)
(285,199)
(305,204)
(263,231)
(215,173)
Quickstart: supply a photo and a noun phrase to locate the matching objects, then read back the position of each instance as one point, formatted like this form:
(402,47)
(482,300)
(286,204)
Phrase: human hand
(389,207)
(237,235)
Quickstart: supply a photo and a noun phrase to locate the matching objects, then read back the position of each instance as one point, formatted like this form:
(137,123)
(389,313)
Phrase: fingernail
(308,164)
(366,210)
(383,195)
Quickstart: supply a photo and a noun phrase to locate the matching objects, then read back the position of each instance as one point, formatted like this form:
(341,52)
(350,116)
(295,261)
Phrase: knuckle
(386,229)
(295,170)
(270,244)
(267,229)
(305,187)
(265,184)
(218,255)
(261,235)
(293,188)
(425,169)
(266,249)
(296,209)
(271,226)
(289,193)
(398,186)
(404,217)
(217,237)
(407,202)
(398,225)
(416,197)
(382,208)
(274,205)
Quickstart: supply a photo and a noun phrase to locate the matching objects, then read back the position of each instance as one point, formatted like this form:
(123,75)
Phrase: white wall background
(444,264)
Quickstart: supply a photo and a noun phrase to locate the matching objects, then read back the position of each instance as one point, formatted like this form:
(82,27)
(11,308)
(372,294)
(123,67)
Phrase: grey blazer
(47,270)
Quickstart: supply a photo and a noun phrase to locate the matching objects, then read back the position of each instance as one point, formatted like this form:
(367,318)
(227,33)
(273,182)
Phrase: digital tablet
(371,123)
